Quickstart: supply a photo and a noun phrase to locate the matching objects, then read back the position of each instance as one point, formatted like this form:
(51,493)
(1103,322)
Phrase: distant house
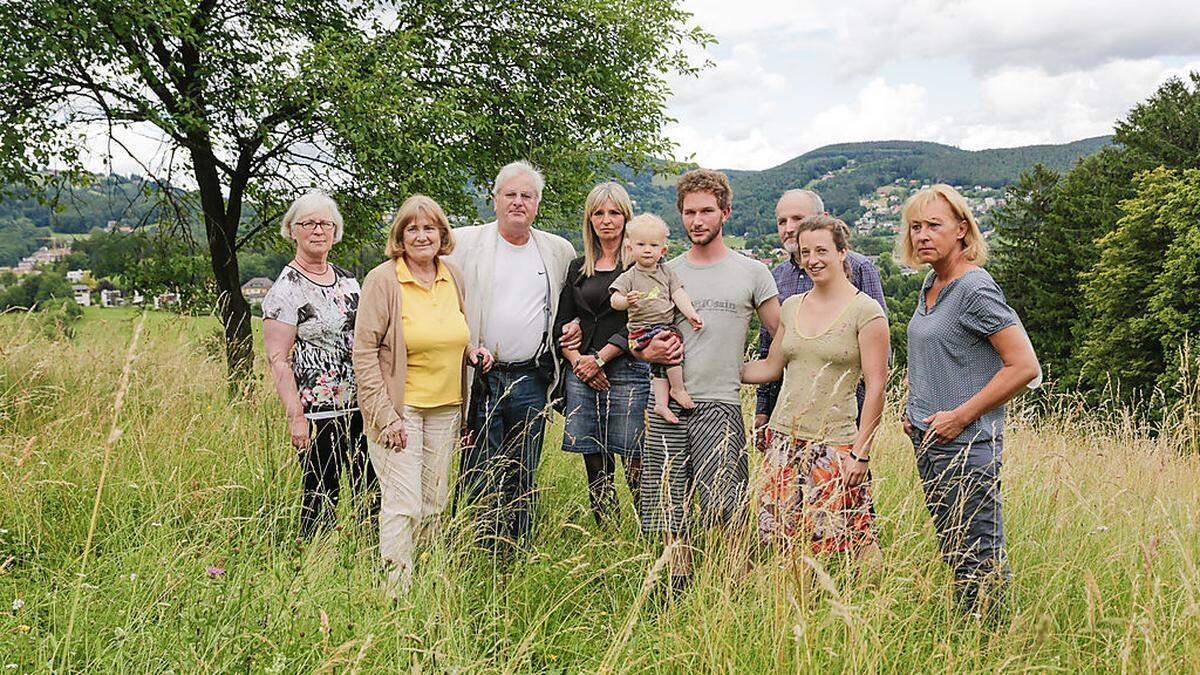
(111,298)
(83,294)
(76,276)
(166,300)
(256,289)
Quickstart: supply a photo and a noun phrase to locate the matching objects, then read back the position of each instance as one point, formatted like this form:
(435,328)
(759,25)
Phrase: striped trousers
(700,462)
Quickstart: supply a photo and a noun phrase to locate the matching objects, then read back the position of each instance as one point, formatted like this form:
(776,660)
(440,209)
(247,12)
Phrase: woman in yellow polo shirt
(410,356)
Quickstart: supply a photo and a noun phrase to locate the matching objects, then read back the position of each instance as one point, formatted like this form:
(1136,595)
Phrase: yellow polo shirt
(435,335)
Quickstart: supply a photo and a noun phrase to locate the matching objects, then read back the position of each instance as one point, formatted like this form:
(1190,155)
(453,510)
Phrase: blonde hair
(415,207)
(591,241)
(973,244)
(648,224)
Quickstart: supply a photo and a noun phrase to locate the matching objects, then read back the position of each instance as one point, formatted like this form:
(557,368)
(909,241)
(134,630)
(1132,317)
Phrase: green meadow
(148,524)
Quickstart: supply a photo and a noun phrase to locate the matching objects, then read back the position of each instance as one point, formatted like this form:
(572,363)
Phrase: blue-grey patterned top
(949,356)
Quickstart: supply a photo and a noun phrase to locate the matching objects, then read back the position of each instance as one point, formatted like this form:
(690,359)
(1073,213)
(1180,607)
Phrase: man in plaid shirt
(790,277)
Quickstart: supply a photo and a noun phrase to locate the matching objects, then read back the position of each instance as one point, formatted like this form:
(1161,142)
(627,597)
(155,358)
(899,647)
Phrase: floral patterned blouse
(324,319)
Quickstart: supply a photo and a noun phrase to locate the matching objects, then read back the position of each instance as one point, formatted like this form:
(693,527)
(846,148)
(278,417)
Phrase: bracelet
(856,458)
(600,360)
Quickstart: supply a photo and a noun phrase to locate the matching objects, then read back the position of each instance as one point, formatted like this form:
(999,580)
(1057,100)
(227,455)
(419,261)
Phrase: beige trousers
(414,484)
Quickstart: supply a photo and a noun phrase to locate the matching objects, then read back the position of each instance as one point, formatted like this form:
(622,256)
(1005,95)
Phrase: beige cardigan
(380,356)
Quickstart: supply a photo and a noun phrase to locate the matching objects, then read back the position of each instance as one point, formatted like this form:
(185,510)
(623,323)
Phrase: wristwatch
(600,360)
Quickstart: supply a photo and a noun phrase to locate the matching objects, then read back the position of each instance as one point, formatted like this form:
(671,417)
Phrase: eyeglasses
(310,225)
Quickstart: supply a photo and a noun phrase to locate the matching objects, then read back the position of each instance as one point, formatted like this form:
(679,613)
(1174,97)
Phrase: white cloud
(1055,35)
(1024,105)
(793,76)
(880,112)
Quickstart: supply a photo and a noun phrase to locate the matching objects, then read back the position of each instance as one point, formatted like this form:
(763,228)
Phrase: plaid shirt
(792,280)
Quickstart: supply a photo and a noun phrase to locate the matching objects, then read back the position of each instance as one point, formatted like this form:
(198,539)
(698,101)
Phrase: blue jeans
(498,468)
(612,421)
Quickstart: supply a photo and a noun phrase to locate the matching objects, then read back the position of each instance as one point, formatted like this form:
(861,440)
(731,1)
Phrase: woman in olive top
(817,486)
(967,356)
(410,355)
(606,389)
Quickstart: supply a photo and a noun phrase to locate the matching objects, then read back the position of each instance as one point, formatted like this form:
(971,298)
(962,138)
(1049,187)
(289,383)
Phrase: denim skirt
(608,421)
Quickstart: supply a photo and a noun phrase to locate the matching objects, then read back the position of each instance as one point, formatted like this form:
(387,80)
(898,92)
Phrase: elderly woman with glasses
(308,328)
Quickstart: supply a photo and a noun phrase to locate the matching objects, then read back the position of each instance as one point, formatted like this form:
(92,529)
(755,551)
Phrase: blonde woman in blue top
(967,356)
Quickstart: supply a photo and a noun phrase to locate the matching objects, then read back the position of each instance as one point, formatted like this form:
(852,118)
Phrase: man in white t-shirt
(513,275)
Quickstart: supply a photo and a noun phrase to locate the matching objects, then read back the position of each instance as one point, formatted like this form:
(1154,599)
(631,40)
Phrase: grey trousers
(962,492)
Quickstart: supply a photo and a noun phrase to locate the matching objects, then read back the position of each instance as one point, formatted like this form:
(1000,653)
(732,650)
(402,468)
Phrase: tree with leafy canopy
(1049,233)
(1027,233)
(1141,296)
(255,102)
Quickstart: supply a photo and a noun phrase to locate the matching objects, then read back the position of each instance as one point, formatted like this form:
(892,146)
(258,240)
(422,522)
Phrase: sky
(789,76)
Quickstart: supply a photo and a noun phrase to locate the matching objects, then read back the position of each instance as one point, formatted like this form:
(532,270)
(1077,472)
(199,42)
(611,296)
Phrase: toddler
(652,293)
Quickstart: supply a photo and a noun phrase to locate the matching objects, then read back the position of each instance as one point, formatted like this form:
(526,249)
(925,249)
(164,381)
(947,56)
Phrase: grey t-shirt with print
(724,294)
(950,358)
(324,319)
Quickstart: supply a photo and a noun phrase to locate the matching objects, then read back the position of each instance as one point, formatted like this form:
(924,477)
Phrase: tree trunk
(221,227)
(235,313)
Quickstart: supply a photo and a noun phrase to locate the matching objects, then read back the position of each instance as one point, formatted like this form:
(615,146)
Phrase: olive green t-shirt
(656,308)
(817,402)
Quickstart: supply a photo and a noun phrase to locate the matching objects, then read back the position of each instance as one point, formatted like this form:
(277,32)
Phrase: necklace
(420,275)
(312,272)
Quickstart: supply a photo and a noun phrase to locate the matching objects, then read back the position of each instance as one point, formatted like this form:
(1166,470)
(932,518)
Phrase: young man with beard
(705,453)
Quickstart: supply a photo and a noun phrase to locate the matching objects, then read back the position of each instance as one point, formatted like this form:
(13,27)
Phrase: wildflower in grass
(10,666)
(23,628)
(18,603)
(133,576)
(214,571)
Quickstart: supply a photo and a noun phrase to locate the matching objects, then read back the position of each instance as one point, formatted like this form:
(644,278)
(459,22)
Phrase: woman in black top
(606,389)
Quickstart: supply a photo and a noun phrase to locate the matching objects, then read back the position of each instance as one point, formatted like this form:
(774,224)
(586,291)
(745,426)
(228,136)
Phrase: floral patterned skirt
(803,497)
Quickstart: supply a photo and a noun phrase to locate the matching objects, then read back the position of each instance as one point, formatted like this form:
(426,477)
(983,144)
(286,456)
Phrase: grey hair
(514,169)
(814,197)
(307,203)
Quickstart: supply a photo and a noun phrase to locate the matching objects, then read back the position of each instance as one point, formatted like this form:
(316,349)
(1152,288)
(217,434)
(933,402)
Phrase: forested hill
(842,173)
(845,172)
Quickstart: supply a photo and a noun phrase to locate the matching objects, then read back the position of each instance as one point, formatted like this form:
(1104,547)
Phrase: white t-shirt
(520,302)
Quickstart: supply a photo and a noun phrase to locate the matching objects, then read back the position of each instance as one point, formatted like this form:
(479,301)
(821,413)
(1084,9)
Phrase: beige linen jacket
(380,356)
(475,252)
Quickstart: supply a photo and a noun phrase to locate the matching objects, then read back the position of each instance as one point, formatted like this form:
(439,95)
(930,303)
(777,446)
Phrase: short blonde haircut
(311,202)
(418,206)
(591,242)
(646,225)
(973,244)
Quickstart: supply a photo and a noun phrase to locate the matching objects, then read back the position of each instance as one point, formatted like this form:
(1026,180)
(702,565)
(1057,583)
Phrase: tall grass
(1103,524)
